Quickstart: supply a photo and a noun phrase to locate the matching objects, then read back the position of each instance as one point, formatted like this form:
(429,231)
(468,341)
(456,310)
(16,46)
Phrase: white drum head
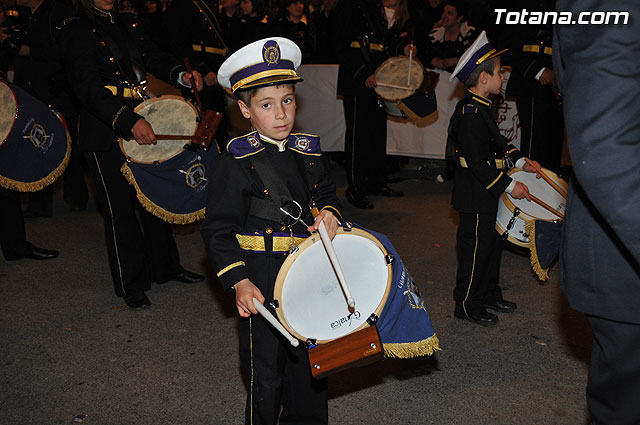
(311,302)
(8,110)
(167,115)
(395,71)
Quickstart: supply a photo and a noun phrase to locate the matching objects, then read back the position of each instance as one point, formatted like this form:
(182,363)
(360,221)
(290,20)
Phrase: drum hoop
(284,270)
(393,59)
(142,105)
(3,138)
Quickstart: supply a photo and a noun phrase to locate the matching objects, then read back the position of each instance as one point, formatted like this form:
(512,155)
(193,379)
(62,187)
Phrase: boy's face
(494,82)
(272,111)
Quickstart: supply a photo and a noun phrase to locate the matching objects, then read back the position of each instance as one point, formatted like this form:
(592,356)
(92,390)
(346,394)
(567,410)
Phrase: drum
(167,114)
(390,317)
(311,304)
(397,81)
(34,143)
(514,214)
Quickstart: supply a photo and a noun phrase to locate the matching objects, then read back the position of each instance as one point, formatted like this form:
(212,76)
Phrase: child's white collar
(280,144)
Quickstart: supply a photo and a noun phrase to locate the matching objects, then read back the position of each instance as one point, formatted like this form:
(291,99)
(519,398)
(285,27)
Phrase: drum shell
(323,302)
(529,211)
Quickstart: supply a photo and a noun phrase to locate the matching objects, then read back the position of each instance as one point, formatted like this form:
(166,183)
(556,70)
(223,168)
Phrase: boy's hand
(330,222)
(520,190)
(532,167)
(143,133)
(245,293)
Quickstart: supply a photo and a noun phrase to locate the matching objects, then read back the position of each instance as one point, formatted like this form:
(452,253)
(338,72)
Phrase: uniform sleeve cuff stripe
(333,209)
(229,267)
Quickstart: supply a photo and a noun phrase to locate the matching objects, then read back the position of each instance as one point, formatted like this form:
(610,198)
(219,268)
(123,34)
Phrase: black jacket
(475,137)
(101,53)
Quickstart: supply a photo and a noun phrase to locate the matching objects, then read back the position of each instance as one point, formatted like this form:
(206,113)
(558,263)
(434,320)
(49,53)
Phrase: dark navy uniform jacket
(107,53)
(230,230)
(477,143)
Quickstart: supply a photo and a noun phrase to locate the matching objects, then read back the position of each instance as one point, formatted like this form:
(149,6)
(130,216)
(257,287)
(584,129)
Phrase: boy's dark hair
(487,66)
(246,95)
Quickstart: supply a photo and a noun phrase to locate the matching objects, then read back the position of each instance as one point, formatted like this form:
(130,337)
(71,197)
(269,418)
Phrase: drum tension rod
(373,319)
(274,305)
(389,258)
(310,343)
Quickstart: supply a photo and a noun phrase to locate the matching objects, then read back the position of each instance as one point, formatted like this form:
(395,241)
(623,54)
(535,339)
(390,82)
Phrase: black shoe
(385,190)
(357,199)
(502,306)
(483,318)
(137,301)
(185,276)
(42,254)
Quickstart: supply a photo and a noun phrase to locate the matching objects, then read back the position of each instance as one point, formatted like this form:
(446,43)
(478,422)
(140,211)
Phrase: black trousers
(365,141)
(542,130)
(13,240)
(614,372)
(140,246)
(479,248)
(276,373)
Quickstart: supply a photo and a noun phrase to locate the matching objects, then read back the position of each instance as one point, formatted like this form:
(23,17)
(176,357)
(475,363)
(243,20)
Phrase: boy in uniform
(482,155)
(247,236)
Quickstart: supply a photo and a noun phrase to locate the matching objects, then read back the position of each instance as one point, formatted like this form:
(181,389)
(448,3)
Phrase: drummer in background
(482,155)
(194,31)
(365,34)
(246,234)
(106,58)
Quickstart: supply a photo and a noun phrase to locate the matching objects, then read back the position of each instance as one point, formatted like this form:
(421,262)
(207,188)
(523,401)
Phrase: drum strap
(269,209)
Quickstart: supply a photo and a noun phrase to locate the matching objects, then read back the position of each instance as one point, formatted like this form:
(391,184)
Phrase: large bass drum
(514,214)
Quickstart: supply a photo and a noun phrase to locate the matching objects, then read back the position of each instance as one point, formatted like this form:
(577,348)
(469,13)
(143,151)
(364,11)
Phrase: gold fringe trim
(157,210)
(407,350)
(530,227)
(42,183)
(416,120)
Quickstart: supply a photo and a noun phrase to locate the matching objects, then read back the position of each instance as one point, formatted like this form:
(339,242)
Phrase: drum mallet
(410,60)
(267,315)
(546,178)
(333,259)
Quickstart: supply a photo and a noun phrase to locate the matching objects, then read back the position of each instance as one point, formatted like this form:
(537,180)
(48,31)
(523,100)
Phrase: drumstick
(192,81)
(546,206)
(393,86)
(546,178)
(267,315)
(410,60)
(333,259)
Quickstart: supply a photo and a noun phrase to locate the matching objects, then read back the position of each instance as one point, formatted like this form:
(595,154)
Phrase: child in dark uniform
(481,156)
(247,236)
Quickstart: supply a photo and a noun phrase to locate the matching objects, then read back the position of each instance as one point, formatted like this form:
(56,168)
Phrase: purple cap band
(471,64)
(258,68)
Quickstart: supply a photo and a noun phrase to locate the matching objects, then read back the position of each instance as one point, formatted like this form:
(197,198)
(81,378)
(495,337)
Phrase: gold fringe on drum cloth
(157,210)
(530,228)
(415,119)
(407,350)
(42,183)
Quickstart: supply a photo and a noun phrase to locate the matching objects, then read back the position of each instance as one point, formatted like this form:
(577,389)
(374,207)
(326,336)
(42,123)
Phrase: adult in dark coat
(44,79)
(533,84)
(363,39)
(106,57)
(598,68)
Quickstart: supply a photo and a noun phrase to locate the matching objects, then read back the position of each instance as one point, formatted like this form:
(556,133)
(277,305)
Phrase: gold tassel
(43,182)
(417,120)
(157,210)
(407,350)
(530,228)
